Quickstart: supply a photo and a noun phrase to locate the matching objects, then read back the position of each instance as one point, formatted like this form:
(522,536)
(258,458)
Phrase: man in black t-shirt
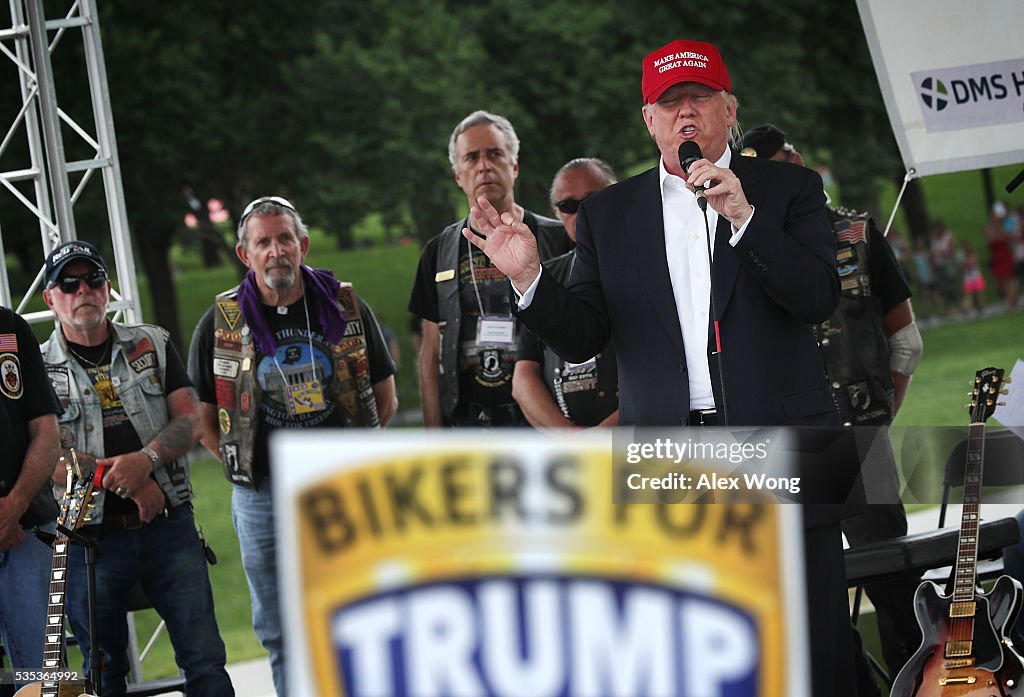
(470,336)
(28,432)
(129,412)
(552,392)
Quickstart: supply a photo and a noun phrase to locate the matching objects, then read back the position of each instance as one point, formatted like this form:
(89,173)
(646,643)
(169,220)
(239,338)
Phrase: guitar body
(996,669)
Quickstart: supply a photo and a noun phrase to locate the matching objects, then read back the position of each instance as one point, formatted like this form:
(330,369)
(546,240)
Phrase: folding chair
(931,554)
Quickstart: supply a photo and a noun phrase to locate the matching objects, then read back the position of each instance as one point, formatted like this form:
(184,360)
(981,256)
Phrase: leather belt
(704,417)
(122,521)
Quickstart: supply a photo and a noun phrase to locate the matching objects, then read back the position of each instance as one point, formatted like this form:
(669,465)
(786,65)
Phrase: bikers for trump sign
(427,564)
(952,76)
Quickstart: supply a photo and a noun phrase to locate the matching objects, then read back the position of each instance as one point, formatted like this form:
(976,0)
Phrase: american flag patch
(9,342)
(851,231)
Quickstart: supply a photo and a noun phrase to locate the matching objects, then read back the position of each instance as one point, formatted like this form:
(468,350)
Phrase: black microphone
(689,152)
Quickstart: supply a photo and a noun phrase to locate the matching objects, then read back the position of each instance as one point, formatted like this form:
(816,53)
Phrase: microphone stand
(703,203)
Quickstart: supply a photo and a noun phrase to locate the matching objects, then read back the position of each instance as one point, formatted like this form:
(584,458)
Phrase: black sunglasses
(267,199)
(94,279)
(570,205)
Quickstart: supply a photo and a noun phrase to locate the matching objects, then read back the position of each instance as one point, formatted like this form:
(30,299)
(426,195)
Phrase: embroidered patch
(10,376)
(143,362)
(230,311)
(354,327)
(230,453)
(61,381)
(67,437)
(227,336)
(225,368)
(9,343)
(225,420)
(225,393)
(245,400)
(143,347)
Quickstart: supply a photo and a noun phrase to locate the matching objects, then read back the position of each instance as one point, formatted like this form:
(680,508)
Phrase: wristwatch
(152,455)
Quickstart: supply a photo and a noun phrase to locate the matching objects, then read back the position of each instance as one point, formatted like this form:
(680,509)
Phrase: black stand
(94,679)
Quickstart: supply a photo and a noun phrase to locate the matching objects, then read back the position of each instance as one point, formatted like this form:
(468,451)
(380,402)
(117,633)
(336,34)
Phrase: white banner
(952,75)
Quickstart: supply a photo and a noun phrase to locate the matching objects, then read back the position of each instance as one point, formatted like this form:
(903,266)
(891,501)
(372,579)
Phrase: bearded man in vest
(290,347)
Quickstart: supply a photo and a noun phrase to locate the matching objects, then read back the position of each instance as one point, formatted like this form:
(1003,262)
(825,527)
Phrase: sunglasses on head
(267,199)
(570,205)
(94,279)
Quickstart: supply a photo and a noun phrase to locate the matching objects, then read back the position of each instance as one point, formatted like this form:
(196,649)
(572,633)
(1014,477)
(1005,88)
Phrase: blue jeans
(166,557)
(253,513)
(24,582)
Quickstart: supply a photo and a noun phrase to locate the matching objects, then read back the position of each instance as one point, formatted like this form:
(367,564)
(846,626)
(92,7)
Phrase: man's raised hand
(508,243)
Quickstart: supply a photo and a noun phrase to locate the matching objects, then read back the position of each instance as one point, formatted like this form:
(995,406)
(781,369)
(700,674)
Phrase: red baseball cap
(682,61)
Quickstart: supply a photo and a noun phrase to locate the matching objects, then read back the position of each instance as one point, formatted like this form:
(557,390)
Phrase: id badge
(305,398)
(496,331)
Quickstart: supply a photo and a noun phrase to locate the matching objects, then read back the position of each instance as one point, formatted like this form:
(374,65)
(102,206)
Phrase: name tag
(444,275)
(225,368)
(495,331)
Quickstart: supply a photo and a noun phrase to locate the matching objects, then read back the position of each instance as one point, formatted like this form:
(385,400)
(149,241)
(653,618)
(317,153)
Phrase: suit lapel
(645,228)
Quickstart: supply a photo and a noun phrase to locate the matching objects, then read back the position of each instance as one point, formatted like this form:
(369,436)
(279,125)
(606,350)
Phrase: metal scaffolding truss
(56,183)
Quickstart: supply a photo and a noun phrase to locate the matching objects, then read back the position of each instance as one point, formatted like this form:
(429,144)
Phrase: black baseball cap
(763,141)
(67,252)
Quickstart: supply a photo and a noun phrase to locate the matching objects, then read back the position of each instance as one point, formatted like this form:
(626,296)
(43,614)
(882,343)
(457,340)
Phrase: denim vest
(140,385)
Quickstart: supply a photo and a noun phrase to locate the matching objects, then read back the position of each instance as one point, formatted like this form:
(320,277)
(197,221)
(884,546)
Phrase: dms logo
(545,637)
(935,97)
(973,89)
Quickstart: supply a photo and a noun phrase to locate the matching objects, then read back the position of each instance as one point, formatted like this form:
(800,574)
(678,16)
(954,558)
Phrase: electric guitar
(75,510)
(966,649)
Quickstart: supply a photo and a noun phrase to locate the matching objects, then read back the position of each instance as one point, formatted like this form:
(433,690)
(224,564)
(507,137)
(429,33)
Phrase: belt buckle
(706,412)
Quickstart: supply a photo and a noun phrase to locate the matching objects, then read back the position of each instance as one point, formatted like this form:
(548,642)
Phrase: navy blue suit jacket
(768,290)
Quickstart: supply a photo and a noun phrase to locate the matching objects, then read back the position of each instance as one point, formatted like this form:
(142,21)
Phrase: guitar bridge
(969,680)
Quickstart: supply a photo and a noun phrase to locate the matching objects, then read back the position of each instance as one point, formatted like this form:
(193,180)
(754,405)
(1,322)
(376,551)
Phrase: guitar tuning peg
(1000,404)
(1004,392)
(1007,380)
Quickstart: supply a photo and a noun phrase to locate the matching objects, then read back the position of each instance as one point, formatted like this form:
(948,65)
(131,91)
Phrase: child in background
(974,281)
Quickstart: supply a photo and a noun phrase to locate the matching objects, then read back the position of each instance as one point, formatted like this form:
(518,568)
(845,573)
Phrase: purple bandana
(322,290)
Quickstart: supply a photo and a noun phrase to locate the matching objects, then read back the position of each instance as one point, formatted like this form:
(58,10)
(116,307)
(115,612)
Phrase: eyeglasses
(94,279)
(570,205)
(267,199)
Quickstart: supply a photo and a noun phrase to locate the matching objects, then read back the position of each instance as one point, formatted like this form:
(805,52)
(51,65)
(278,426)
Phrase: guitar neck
(52,648)
(965,577)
